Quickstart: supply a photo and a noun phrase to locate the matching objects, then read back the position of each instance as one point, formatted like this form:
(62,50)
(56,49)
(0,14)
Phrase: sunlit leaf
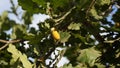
(74,26)
(99,65)
(25,61)
(29,36)
(17,54)
(81,65)
(67,66)
(103,2)
(4,15)
(88,56)
(3,62)
(94,13)
(47,25)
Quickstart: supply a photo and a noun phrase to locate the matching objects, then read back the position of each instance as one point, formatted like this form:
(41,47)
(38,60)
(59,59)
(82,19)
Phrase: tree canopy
(87,38)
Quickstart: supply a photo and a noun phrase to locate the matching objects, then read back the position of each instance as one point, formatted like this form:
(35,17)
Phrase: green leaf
(36,51)
(15,64)
(116,16)
(67,66)
(80,37)
(41,3)
(64,36)
(100,65)
(25,61)
(29,36)
(33,38)
(28,17)
(17,54)
(95,14)
(88,56)
(82,4)
(81,66)
(4,27)
(112,29)
(58,3)
(103,2)
(3,62)
(4,15)
(31,6)
(18,31)
(4,20)
(47,25)
(74,26)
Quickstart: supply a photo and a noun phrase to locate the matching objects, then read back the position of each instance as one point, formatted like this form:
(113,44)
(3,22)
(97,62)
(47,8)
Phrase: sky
(5,6)
(109,18)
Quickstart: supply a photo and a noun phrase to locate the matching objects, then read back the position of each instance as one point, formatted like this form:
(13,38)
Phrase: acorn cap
(52,29)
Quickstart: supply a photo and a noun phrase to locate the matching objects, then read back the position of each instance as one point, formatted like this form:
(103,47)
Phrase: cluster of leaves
(79,23)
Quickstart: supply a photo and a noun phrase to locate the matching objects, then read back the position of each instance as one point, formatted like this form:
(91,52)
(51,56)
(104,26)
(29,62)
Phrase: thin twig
(91,5)
(53,60)
(14,9)
(64,16)
(11,41)
(49,10)
(58,20)
(92,29)
(57,58)
(3,41)
(14,41)
(49,53)
(61,55)
(112,41)
(44,57)
(7,43)
(4,46)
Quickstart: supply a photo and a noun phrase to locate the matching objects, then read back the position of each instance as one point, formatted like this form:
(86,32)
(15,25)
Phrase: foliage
(88,40)
(17,55)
